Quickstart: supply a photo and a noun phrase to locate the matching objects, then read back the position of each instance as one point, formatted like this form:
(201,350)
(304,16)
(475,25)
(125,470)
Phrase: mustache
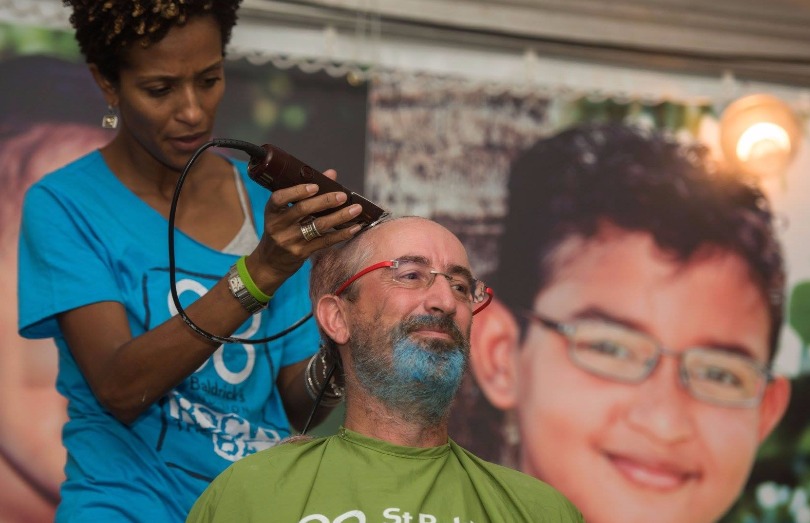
(441,323)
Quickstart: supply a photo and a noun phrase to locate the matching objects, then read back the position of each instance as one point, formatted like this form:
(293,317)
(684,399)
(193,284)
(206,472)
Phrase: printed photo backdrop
(442,148)
(436,147)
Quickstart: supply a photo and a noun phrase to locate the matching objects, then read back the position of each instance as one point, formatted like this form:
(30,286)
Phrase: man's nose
(440,296)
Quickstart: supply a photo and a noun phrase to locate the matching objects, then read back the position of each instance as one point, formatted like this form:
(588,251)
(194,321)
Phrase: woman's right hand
(283,247)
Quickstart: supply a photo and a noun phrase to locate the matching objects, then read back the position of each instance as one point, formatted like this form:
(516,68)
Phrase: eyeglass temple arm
(551,324)
(490,295)
(365,271)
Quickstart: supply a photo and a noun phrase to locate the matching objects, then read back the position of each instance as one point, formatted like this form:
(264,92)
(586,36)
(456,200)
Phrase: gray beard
(416,379)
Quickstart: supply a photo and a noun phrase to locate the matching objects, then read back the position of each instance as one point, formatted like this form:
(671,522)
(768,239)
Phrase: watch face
(235,283)
(241,293)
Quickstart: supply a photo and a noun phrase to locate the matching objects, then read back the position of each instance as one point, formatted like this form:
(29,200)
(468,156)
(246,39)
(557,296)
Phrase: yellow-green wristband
(250,285)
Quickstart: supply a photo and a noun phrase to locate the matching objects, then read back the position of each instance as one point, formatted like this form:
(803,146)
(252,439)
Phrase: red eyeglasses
(417,274)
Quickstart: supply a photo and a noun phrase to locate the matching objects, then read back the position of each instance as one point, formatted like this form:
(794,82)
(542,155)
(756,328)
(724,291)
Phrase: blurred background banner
(442,148)
(436,140)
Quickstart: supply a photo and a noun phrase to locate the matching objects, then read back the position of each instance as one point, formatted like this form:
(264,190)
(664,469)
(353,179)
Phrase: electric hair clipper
(280,170)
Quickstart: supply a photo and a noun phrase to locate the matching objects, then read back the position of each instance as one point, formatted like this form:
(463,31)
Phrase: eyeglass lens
(618,353)
(415,274)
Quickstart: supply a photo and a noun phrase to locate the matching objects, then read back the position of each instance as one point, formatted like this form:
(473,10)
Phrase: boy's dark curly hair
(105,28)
(641,181)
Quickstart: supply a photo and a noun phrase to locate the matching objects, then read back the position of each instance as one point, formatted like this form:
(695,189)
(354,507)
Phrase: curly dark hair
(638,180)
(105,28)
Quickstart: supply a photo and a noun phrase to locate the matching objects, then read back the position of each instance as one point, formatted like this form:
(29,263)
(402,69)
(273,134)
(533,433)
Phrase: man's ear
(107,88)
(493,342)
(773,406)
(332,319)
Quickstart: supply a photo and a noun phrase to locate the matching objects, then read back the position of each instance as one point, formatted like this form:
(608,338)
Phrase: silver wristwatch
(240,292)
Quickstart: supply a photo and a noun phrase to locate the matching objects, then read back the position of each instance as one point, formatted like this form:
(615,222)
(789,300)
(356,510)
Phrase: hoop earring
(110,120)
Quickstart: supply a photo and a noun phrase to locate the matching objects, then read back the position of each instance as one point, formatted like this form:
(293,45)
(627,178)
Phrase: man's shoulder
(523,489)
(288,451)
(505,474)
(497,470)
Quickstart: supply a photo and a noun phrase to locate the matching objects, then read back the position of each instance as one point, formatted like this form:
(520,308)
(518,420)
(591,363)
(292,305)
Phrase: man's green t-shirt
(350,478)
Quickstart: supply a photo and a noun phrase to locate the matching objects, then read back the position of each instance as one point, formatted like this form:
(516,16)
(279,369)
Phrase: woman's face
(168,93)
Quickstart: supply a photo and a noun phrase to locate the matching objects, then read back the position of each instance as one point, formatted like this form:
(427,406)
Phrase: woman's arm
(128,374)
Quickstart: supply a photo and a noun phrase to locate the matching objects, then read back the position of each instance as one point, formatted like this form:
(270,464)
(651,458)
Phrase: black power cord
(254,151)
(318,399)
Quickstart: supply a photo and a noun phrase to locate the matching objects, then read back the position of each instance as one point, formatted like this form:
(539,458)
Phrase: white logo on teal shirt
(233,437)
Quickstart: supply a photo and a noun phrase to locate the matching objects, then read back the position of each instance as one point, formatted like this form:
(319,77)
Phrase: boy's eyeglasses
(618,353)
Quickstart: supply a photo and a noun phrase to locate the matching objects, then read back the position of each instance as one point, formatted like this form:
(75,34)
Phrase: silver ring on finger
(309,231)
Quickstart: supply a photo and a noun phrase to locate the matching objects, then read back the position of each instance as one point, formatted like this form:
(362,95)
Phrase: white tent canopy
(651,50)
(641,49)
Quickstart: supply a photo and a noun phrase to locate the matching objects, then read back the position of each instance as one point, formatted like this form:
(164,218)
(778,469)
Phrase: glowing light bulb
(759,135)
(762,139)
